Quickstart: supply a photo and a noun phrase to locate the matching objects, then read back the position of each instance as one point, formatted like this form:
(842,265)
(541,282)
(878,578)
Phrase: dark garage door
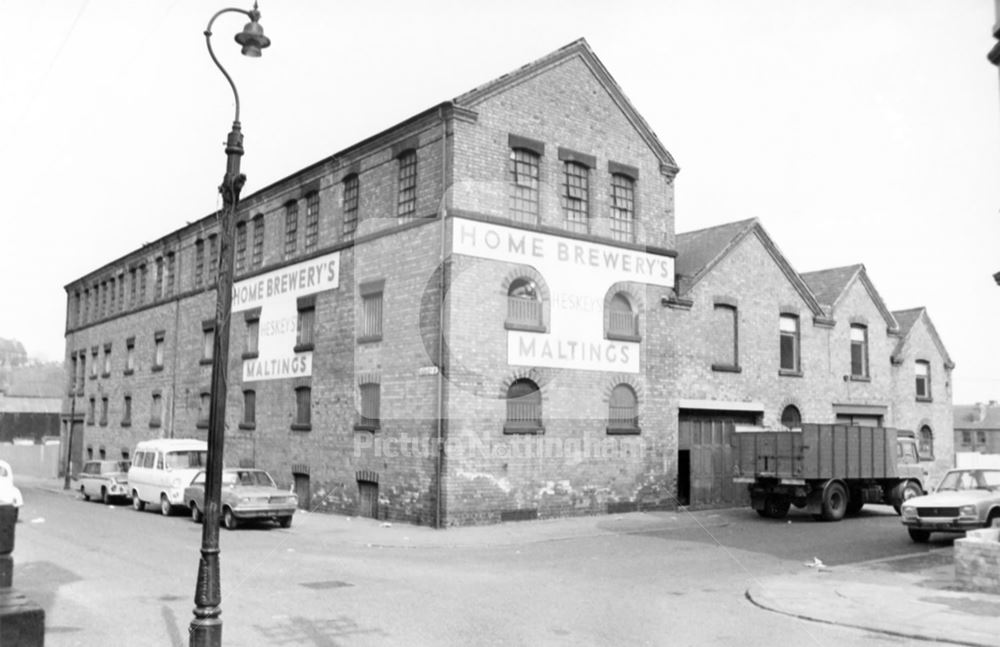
(705,459)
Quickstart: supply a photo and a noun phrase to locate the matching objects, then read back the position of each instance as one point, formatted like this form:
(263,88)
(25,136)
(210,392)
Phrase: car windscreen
(185,459)
(255,478)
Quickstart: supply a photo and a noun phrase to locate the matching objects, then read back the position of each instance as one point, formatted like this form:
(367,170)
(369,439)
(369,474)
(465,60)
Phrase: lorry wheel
(855,502)
(907,490)
(776,507)
(834,502)
(919,536)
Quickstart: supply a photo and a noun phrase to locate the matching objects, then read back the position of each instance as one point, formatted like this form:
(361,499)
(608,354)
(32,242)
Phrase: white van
(162,468)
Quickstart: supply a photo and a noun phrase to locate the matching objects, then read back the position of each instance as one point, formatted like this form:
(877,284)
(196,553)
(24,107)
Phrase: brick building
(474,316)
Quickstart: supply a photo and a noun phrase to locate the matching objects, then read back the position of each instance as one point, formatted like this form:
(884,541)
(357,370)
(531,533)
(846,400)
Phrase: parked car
(964,499)
(246,494)
(104,480)
(9,494)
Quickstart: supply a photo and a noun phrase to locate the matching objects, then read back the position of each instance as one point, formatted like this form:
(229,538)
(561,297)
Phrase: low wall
(32,460)
(977,560)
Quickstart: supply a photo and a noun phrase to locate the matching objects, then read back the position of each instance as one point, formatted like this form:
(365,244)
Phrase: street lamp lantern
(206,627)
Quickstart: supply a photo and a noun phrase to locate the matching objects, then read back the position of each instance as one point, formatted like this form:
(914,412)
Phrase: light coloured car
(965,499)
(247,494)
(104,480)
(9,493)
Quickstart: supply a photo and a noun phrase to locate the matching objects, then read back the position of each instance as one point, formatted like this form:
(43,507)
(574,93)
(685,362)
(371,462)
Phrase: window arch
(524,304)
(524,407)
(791,417)
(623,410)
(926,443)
(621,322)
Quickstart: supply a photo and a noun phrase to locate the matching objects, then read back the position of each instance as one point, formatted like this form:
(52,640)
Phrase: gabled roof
(907,319)
(832,284)
(698,252)
(577,49)
(976,416)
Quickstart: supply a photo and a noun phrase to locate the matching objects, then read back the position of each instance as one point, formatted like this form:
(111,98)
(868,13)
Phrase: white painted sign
(276,294)
(578,275)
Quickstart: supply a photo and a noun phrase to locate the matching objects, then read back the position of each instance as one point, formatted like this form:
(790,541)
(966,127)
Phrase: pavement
(913,597)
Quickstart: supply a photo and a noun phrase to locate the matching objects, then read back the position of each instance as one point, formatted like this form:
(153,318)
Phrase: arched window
(621,320)
(524,304)
(623,411)
(790,417)
(926,443)
(524,407)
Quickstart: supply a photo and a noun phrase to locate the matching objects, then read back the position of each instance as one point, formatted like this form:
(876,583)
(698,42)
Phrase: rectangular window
(576,196)
(156,411)
(86,306)
(789,332)
(199,262)
(524,168)
(859,351)
(104,411)
(981,438)
(350,206)
(622,208)
(251,339)
(112,292)
(371,404)
(257,259)
(204,408)
(127,411)
(129,355)
(91,410)
(407,198)
(371,311)
(121,291)
(158,285)
(305,325)
(142,283)
(93,362)
(923,370)
(241,247)
(303,409)
(159,339)
(312,221)
(73,378)
(171,273)
(291,229)
(106,370)
(213,258)
(249,410)
(725,338)
(207,341)
(83,370)
(104,300)
(132,278)
(966,438)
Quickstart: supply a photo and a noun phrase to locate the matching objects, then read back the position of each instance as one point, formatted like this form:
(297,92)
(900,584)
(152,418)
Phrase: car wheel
(229,519)
(196,515)
(285,522)
(83,491)
(834,502)
(919,536)
(105,499)
(165,507)
(137,504)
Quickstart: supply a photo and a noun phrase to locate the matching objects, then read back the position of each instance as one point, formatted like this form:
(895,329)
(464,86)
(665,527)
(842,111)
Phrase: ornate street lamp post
(206,627)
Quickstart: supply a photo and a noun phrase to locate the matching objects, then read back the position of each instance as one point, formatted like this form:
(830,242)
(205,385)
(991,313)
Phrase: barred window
(576,196)
(524,305)
(291,229)
(249,409)
(121,291)
(791,418)
(257,259)
(524,407)
(623,411)
(303,408)
(142,283)
(524,168)
(241,247)
(350,205)
(199,263)
(213,258)
(371,405)
(622,207)
(171,273)
(622,322)
(158,285)
(371,317)
(407,204)
(312,220)
(111,295)
(304,335)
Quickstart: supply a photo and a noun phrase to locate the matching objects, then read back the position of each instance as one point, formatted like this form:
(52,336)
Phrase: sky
(860,131)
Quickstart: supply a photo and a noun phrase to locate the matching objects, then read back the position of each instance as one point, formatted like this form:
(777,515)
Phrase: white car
(9,494)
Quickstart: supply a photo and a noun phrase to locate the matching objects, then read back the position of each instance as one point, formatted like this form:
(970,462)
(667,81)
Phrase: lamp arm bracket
(211,52)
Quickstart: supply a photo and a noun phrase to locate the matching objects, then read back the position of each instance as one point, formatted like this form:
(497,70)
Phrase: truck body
(829,469)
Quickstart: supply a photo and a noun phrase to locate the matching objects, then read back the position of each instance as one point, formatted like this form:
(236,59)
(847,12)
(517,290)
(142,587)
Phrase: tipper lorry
(831,470)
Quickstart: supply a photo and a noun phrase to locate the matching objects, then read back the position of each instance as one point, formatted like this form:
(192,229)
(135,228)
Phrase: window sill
(787,373)
(859,378)
(522,428)
(253,355)
(201,424)
(155,424)
(205,361)
(623,431)
(105,374)
(302,348)
(126,423)
(93,376)
(128,371)
(726,368)
(248,426)
(526,327)
(362,426)
(301,426)
(103,424)
(369,339)
(622,336)
(156,368)
(919,399)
